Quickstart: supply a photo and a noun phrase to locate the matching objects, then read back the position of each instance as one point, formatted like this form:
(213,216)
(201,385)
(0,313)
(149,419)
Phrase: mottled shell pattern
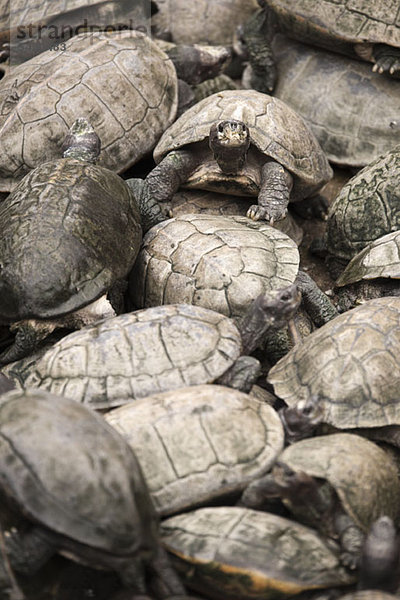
(242,553)
(351,364)
(276,131)
(121,82)
(137,354)
(363,475)
(193,444)
(221,263)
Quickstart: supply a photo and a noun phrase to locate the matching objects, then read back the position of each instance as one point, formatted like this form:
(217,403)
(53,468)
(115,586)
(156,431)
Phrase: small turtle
(68,232)
(339,484)
(193,443)
(211,203)
(365,209)
(79,488)
(243,143)
(100,76)
(241,553)
(372,273)
(159,349)
(347,106)
(359,29)
(350,365)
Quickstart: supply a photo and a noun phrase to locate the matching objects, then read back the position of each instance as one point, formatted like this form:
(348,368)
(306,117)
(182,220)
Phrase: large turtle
(199,443)
(80,489)
(366,208)
(339,484)
(367,30)
(241,553)
(122,82)
(348,107)
(244,143)
(68,232)
(159,349)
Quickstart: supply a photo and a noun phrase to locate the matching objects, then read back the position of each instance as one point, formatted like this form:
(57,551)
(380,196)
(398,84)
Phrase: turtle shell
(366,208)
(221,263)
(363,475)
(341,99)
(241,553)
(351,364)
(380,258)
(68,231)
(369,595)
(193,443)
(68,470)
(276,131)
(138,354)
(193,22)
(326,23)
(99,76)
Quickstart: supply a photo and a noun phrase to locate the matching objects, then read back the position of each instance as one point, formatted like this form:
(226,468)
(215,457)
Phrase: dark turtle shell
(68,231)
(66,469)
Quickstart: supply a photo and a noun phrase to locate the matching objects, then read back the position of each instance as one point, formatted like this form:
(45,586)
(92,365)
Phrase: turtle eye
(220,128)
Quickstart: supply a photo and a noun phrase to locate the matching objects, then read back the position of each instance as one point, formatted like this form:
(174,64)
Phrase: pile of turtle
(199,307)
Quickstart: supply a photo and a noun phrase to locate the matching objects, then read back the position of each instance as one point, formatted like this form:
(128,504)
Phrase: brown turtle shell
(121,82)
(276,132)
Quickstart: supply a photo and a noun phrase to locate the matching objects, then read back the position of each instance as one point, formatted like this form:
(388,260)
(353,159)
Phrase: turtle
(187,201)
(338,483)
(79,489)
(158,349)
(369,595)
(193,443)
(347,106)
(241,553)
(257,146)
(29,29)
(363,30)
(69,231)
(372,273)
(347,369)
(365,209)
(99,76)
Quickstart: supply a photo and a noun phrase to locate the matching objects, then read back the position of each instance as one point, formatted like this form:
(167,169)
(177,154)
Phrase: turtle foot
(387,60)
(259,213)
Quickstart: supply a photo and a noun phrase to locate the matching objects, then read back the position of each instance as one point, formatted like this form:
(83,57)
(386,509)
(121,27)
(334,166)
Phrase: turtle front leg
(273,198)
(29,336)
(166,178)
(351,540)
(315,301)
(166,582)
(256,36)
(387,60)
(27,551)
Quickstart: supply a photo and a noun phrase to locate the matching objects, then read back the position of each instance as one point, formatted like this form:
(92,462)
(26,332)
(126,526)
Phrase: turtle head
(229,141)
(301,420)
(82,142)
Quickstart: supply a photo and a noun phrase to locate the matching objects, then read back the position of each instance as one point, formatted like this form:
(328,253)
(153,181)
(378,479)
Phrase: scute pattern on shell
(58,246)
(221,263)
(193,444)
(139,354)
(372,191)
(121,82)
(102,501)
(275,129)
(363,475)
(350,20)
(262,554)
(380,258)
(351,363)
(37,11)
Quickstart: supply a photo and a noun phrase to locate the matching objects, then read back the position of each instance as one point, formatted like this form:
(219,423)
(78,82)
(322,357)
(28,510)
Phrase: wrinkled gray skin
(379,565)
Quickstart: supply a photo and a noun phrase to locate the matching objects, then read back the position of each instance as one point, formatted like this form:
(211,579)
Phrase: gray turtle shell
(363,475)
(380,258)
(347,106)
(351,364)
(100,76)
(50,444)
(366,207)
(276,131)
(242,553)
(193,443)
(326,23)
(68,231)
(138,354)
(221,263)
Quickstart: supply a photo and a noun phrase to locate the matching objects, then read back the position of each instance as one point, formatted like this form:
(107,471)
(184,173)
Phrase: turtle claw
(257,213)
(349,560)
